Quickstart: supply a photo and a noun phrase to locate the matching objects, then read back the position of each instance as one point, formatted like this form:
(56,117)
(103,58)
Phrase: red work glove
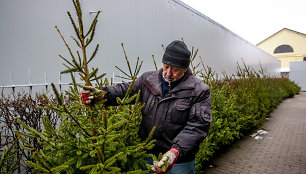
(91,94)
(170,157)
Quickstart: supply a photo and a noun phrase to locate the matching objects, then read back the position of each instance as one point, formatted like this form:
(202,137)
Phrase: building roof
(280,31)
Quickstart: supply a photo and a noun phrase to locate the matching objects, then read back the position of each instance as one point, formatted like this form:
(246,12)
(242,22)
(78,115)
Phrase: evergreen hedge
(239,106)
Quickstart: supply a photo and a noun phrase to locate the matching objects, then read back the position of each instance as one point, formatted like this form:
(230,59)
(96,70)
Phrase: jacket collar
(154,80)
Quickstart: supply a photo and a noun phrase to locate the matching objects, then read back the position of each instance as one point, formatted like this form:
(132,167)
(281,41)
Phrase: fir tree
(94,138)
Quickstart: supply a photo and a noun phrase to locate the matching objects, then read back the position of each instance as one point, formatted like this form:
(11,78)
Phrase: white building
(30,44)
(298,74)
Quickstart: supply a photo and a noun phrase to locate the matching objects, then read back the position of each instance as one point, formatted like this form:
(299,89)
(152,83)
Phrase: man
(176,102)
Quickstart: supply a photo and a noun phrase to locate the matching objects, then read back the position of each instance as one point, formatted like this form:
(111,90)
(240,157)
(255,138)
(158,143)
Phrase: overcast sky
(254,20)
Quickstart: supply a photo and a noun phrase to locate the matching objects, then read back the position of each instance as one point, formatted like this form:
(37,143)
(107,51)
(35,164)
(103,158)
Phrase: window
(304,58)
(283,49)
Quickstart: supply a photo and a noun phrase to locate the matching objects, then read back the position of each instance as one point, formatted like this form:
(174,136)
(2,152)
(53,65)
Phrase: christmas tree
(89,138)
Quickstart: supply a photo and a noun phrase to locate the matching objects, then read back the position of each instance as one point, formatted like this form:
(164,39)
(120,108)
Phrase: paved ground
(279,150)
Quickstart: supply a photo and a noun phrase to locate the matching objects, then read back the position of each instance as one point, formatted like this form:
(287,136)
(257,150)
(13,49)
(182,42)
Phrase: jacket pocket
(180,112)
(149,105)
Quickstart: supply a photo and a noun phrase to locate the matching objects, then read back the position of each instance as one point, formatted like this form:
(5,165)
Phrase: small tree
(94,138)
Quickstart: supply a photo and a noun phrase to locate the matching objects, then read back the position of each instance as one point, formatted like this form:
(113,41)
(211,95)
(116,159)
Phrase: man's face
(172,73)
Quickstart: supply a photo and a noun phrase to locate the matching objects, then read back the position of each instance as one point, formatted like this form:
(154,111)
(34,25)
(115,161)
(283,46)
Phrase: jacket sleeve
(197,127)
(119,90)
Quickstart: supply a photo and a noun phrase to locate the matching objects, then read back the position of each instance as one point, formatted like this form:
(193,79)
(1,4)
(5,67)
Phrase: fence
(42,87)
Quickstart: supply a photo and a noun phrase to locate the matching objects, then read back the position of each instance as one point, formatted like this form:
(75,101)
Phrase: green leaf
(114,169)
(112,160)
(94,170)
(47,125)
(70,70)
(24,147)
(79,163)
(87,167)
(93,24)
(59,168)
(117,125)
(94,53)
(129,100)
(92,153)
(78,152)
(99,77)
(93,73)
(37,166)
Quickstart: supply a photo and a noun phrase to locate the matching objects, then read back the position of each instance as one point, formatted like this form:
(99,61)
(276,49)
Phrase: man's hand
(91,94)
(168,160)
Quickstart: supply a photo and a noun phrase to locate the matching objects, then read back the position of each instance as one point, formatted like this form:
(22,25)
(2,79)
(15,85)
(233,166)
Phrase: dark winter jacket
(182,117)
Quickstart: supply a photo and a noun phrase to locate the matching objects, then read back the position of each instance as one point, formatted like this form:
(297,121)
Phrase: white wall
(29,40)
(298,74)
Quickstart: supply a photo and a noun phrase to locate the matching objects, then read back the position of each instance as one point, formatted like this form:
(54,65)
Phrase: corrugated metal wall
(298,74)
(29,40)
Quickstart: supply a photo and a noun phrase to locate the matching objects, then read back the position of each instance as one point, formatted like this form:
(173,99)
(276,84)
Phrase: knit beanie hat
(177,54)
